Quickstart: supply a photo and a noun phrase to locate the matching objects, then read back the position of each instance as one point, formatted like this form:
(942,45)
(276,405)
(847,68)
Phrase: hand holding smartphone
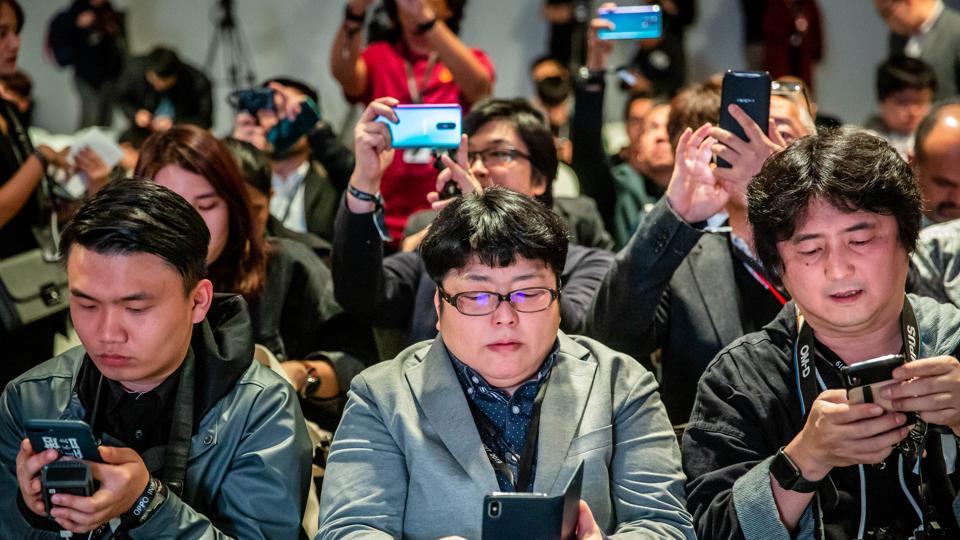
(749,90)
(864,380)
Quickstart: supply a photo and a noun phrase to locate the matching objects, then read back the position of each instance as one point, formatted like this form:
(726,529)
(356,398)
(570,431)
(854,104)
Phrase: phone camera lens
(494,509)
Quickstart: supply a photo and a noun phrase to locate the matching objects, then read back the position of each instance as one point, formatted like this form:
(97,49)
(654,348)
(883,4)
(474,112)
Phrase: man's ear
(202,298)
(538,183)
(437,306)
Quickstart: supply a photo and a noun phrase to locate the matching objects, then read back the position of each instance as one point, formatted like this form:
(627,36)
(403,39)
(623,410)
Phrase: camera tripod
(236,58)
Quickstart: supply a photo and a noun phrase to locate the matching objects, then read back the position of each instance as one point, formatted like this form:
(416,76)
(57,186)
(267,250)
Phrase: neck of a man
(740,225)
(856,347)
(285,167)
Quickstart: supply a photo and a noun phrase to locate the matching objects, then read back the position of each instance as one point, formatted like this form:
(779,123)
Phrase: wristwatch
(311,385)
(789,475)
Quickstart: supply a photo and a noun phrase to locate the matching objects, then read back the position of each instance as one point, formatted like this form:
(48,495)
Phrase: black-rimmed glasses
(496,156)
(478,303)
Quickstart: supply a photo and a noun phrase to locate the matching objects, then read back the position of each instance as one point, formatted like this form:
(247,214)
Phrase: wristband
(146,504)
(377,200)
(353,17)
(425,27)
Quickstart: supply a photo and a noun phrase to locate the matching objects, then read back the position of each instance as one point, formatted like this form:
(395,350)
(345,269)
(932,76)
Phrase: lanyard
(524,481)
(804,350)
(752,267)
(416,96)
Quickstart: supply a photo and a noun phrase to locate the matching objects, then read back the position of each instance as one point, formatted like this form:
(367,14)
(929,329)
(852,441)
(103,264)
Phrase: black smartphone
(750,90)
(864,380)
(68,477)
(252,100)
(72,438)
(533,516)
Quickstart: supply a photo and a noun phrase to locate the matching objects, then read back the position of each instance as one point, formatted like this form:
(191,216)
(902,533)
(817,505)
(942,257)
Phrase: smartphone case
(750,90)
(72,438)
(534,516)
(425,126)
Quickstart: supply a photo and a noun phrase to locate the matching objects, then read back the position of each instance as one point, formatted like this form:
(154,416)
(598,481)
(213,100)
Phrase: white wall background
(293,37)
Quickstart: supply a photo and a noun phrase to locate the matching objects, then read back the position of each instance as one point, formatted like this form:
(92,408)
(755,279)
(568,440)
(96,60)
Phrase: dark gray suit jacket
(397,292)
(407,460)
(671,288)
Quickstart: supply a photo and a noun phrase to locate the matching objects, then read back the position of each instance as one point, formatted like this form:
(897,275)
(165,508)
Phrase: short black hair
(636,95)
(300,86)
(163,62)
(131,216)
(17,13)
(544,58)
(928,123)
(847,167)
(904,73)
(530,126)
(497,226)
(253,164)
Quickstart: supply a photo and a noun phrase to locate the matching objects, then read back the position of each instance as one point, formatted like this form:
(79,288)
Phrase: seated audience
(625,187)
(421,61)
(679,286)
(427,435)
(310,171)
(775,447)
(289,291)
(936,162)
(158,90)
(165,370)
(905,89)
(508,146)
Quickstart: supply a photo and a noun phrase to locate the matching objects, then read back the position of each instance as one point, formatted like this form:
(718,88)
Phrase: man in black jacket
(776,448)
(159,90)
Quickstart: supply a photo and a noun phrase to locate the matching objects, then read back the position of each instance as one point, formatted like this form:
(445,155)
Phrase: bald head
(937,162)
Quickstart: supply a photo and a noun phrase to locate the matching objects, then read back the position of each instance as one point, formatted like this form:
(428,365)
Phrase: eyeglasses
(496,156)
(789,89)
(478,303)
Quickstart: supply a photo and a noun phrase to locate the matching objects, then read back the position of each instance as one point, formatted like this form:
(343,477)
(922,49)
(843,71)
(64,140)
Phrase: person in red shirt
(422,61)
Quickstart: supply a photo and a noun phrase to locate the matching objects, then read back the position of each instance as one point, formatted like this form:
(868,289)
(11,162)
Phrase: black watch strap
(789,476)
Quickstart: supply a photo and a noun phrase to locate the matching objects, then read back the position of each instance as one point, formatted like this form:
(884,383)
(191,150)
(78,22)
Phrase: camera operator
(775,448)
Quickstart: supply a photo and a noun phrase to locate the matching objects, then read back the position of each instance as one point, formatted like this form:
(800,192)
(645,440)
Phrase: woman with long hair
(288,289)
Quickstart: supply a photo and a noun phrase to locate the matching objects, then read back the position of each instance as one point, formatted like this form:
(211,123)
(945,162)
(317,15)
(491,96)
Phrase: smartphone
(425,126)
(67,477)
(72,438)
(750,90)
(252,99)
(632,22)
(864,380)
(533,516)
(287,132)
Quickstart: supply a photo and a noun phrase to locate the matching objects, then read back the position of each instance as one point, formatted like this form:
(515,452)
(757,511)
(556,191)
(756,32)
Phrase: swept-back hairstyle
(497,226)
(242,265)
(133,216)
(848,168)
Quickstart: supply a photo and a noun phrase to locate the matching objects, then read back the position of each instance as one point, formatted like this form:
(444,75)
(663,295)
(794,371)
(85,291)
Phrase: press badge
(419,156)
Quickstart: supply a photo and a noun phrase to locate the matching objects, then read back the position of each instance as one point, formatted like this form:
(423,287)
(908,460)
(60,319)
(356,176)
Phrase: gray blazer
(407,459)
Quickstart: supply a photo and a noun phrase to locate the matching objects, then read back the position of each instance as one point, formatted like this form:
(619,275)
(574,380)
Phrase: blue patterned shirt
(510,415)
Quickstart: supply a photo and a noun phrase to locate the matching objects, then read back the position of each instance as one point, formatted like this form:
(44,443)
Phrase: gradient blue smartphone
(425,126)
(72,438)
(632,22)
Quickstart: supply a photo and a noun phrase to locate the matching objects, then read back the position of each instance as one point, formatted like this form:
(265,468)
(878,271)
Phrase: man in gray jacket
(197,439)
(501,400)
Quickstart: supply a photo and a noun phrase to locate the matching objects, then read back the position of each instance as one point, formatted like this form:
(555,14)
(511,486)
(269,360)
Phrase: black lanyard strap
(524,480)
(416,94)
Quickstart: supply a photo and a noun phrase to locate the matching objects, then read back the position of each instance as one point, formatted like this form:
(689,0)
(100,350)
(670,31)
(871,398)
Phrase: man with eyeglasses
(501,400)
(509,146)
